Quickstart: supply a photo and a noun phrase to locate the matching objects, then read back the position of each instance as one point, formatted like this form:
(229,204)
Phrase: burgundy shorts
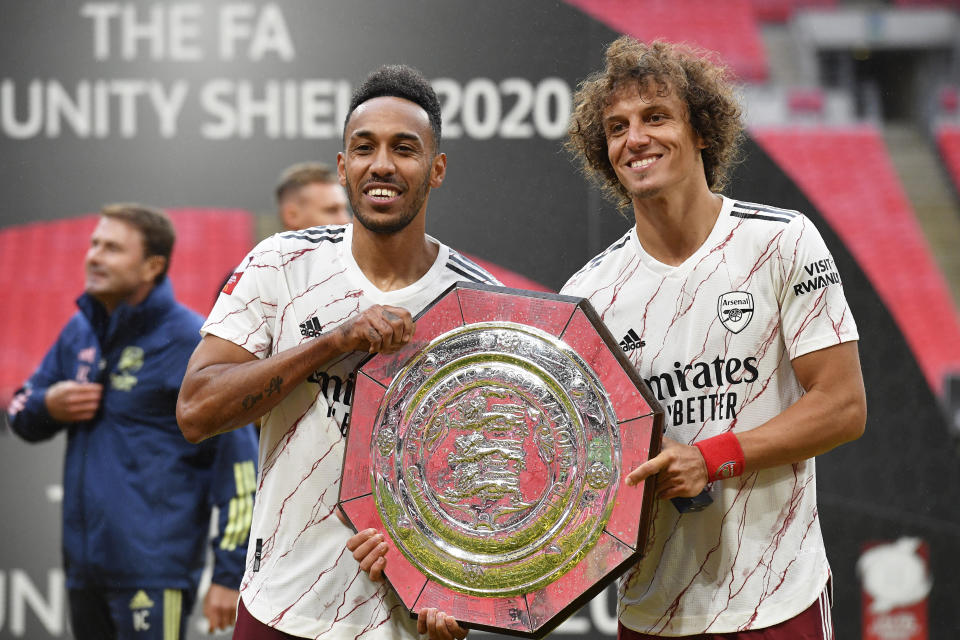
(249,628)
(813,624)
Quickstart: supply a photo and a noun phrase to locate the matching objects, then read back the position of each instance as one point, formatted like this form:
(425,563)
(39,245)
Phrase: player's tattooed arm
(220,372)
(273,387)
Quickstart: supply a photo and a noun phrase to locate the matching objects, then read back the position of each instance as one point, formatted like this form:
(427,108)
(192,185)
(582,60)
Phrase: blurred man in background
(735,316)
(309,195)
(137,496)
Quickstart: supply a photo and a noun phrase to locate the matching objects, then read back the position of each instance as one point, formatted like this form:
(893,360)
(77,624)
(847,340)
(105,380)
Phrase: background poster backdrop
(200,104)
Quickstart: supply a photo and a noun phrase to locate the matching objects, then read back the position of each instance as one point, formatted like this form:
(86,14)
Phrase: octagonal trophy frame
(491,451)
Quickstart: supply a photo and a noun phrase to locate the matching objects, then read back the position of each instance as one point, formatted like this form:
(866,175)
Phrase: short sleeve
(813,309)
(246,309)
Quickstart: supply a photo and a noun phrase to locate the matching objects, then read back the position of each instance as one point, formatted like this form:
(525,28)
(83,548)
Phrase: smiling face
(116,268)
(389,165)
(650,143)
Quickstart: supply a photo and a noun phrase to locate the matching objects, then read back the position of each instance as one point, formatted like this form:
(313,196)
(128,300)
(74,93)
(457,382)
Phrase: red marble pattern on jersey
(292,256)
(756,389)
(317,495)
(503,613)
(345,609)
(278,618)
(256,261)
(676,605)
(766,569)
(380,606)
(338,609)
(357,456)
(627,400)
(281,445)
(351,294)
(606,555)
(626,274)
(244,340)
(485,306)
(635,438)
(443,316)
(408,581)
(348,310)
(320,511)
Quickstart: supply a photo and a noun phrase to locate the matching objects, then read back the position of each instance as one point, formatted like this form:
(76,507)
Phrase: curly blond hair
(705,87)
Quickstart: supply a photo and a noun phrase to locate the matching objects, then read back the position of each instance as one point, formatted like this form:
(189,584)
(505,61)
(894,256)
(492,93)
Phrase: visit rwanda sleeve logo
(735,309)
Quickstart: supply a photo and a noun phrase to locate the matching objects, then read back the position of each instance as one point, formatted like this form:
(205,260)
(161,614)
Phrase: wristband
(723,456)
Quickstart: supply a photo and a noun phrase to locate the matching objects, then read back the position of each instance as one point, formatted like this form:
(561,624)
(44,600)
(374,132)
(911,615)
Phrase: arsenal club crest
(735,309)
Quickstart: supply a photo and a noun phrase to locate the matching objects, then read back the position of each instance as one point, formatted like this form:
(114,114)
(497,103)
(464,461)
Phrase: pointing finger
(649,468)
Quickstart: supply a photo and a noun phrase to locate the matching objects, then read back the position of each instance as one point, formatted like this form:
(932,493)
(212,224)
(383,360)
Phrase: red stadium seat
(949,101)
(847,174)
(728,28)
(806,100)
(782,10)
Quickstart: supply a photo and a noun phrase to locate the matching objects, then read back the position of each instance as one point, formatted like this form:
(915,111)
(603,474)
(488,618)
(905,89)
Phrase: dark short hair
(154,226)
(301,174)
(705,87)
(399,81)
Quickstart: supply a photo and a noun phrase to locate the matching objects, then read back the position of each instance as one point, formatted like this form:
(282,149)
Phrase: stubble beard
(389,226)
(645,193)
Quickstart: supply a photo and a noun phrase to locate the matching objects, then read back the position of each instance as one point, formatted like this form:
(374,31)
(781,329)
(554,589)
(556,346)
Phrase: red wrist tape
(723,456)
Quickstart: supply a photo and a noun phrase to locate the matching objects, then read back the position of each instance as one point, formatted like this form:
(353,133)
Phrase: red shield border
(640,423)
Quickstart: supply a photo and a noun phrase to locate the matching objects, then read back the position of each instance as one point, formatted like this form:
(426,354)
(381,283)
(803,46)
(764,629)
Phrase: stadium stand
(53,278)
(847,174)
(728,27)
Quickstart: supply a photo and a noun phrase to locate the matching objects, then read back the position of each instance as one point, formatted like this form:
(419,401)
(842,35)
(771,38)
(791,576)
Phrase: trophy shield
(491,450)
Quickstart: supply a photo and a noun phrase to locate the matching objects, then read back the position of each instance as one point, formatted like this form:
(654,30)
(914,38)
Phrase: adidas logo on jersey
(631,341)
(310,328)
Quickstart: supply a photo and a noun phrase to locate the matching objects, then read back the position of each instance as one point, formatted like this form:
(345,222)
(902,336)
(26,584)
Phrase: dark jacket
(137,495)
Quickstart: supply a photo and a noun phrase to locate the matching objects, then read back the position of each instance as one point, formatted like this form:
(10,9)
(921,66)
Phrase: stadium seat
(806,100)
(782,10)
(728,28)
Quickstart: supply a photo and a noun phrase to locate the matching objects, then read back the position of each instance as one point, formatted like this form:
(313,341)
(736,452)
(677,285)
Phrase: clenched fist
(379,329)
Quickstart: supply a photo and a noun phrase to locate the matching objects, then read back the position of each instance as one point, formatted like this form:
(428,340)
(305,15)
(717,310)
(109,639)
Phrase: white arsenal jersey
(292,287)
(713,338)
